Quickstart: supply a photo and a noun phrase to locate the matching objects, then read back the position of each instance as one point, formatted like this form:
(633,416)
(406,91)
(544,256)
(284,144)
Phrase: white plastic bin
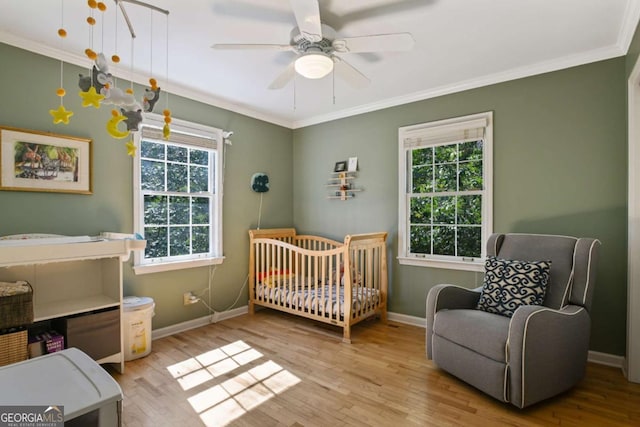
(136,314)
(69,378)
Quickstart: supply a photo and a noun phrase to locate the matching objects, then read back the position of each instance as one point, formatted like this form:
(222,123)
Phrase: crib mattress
(322,300)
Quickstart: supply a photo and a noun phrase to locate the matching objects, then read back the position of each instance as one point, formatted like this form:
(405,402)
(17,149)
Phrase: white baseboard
(594,356)
(407,320)
(231,313)
(196,323)
(606,359)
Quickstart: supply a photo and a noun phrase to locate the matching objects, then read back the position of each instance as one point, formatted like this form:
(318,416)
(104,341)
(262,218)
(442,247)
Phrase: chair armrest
(442,297)
(547,351)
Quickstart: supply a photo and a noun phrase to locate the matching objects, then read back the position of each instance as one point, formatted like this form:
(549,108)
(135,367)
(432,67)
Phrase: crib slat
(347,287)
(340,264)
(289,276)
(331,277)
(278,271)
(314,260)
(262,266)
(373,286)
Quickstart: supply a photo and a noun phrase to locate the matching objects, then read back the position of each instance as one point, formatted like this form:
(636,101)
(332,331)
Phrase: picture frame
(42,161)
(340,166)
(353,164)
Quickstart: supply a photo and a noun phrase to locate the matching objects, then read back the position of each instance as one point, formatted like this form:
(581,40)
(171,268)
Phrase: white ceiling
(459,44)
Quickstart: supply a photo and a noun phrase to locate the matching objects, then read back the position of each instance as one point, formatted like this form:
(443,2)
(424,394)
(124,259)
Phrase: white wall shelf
(69,307)
(341,185)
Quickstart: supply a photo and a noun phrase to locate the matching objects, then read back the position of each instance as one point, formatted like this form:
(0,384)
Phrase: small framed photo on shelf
(340,166)
(353,164)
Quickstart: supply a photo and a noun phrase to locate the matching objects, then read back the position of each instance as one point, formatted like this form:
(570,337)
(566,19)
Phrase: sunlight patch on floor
(225,401)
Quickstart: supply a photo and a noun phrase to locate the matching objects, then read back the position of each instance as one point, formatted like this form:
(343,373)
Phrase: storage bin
(16,304)
(53,342)
(68,378)
(44,343)
(13,347)
(36,347)
(136,316)
(96,333)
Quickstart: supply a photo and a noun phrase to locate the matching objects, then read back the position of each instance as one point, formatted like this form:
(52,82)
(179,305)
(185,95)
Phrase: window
(178,195)
(445,206)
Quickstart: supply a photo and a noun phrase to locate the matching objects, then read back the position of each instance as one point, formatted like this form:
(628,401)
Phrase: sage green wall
(560,167)
(28,83)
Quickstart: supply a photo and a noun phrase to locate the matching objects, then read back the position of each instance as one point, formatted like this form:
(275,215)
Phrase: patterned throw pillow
(509,284)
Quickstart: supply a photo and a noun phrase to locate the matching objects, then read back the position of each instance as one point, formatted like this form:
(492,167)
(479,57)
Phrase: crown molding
(627,31)
(629,25)
(513,74)
(631,18)
(128,75)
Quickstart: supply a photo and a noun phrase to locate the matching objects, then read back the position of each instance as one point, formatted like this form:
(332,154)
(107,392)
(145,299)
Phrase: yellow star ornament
(61,115)
(131,148)
(91,97)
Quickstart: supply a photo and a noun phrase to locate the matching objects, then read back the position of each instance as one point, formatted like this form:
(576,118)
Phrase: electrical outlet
(215,317)
(189,298)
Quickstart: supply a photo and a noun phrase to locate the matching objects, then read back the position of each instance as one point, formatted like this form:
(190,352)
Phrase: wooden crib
(322,279)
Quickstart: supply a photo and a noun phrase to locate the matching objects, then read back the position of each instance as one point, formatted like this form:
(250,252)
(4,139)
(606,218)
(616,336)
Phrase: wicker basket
(13,347)
(16,304)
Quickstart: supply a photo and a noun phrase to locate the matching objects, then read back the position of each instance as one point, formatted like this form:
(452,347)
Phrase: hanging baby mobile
(99,86)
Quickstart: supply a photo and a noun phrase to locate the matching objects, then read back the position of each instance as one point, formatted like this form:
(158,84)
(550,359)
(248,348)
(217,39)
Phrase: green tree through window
(175,187)
(446,200)
(445,211)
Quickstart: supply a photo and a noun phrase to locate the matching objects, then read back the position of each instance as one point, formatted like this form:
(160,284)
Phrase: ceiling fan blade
(250,10)
(374,43)
(387,9)
(285,77)
(226,46)
(345,71)
(307,14)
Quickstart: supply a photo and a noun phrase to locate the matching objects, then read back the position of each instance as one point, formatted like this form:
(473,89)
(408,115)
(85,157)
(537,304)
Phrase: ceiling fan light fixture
(314,65)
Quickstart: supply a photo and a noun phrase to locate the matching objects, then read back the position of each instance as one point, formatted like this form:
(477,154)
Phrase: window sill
(450,265)
(179,265)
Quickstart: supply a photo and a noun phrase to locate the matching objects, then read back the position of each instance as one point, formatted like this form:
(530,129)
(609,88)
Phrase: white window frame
(438,133)
(144,266)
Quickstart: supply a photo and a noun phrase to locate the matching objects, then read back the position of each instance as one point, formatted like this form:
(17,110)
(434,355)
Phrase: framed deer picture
(41,161)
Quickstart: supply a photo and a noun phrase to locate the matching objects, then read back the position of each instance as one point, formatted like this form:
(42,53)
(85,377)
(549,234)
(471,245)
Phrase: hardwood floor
(272,369)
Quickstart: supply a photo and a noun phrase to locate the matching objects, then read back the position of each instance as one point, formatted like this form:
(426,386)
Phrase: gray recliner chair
(538,352)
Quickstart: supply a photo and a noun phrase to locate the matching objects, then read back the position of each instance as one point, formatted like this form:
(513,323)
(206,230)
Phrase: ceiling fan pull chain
(294,92)
(333,84)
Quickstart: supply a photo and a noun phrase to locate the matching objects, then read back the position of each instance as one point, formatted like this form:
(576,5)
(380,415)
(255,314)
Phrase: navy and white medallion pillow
(508,284)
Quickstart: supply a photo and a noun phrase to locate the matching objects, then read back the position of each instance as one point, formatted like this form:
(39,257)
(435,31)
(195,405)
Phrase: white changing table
(69,378)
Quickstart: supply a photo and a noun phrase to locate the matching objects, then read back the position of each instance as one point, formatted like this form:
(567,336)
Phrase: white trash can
(136,315)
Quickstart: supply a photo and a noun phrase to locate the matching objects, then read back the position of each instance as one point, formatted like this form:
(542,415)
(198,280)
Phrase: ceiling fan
(317,45)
